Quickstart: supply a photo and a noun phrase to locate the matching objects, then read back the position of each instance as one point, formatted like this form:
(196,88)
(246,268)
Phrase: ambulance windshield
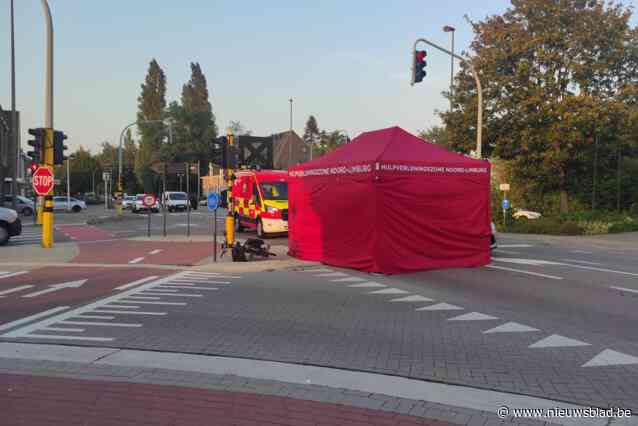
(274,190)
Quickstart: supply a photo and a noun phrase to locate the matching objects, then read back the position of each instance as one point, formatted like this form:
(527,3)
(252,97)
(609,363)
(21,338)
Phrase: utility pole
(479,90)
(47,215)
(14,117)
(290,139)
(68,184)
(450,29)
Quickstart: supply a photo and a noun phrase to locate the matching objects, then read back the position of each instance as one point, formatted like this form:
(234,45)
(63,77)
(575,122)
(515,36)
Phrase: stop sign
(43,180)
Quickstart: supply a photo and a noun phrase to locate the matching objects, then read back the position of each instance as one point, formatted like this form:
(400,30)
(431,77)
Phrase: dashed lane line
(628,290)
(156,251)
(520,271)
(13,274)
(14,289)
(136,260)
(582,261)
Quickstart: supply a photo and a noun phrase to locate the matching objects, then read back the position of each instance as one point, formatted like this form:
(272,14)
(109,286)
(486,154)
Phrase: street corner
(29,256)
(136,252)
(29,292)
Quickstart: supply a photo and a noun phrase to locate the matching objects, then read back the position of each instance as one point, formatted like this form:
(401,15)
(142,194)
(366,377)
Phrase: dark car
(24,206)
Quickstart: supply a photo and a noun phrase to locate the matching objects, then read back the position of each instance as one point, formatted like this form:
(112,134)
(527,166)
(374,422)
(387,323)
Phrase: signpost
(149,201)
(43,180)
(213,204)
(505,204)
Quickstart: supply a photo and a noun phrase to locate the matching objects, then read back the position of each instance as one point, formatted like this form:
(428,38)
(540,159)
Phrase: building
(289,150)
(8,161)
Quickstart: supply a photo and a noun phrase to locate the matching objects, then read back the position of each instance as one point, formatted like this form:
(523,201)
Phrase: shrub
(550,226)
(634,209)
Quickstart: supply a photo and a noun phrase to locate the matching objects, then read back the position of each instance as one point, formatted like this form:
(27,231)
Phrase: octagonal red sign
(43,180)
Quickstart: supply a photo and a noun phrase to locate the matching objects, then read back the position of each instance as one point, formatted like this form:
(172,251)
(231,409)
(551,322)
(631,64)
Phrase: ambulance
(260,201)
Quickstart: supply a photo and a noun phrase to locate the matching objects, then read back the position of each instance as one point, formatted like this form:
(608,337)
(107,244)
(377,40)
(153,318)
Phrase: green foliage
(558,97)
(551,226)
(311,133)
(329,141)
(435,134)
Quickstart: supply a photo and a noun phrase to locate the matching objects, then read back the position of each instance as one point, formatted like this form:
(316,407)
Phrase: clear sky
(345,61)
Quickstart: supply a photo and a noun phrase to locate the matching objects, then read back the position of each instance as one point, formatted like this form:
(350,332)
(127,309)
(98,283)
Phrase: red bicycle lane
(46,288)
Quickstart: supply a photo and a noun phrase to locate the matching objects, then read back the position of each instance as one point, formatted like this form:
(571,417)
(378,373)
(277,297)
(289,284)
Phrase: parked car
(10,225)
(175,201)
(128,202)
(139,207)
(525,214)
(62,203)
(24,206)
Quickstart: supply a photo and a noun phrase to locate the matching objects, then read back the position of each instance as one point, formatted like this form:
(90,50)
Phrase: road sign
(213,200)
(504,187)
(106,176)
(149,200)
(505,204)
(43,180)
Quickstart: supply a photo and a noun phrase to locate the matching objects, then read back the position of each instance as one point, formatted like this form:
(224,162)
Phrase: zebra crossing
(29,235)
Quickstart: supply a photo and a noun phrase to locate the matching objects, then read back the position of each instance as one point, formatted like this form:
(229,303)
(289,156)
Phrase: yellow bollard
(47,222)
(230,230)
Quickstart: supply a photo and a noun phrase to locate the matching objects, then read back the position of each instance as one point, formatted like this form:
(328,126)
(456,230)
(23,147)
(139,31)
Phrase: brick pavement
(33,400)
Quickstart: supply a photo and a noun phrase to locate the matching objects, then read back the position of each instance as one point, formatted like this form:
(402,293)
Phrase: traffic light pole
(47,213)
(479,117)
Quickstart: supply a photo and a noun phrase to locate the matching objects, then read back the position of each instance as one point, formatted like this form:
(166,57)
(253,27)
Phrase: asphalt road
(551,317)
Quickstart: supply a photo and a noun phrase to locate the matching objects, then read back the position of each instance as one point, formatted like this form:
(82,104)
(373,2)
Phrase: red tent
(390,202)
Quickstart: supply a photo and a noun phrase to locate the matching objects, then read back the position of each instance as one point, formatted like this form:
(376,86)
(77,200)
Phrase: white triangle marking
(440,307)
(348,280)
(557,341)
(609,357)
(511,327)
(473,316)
(389,291)
(412,298)
(369,284)
(332,274)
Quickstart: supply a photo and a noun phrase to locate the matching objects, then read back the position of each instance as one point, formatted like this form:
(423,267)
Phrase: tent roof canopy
(390,144)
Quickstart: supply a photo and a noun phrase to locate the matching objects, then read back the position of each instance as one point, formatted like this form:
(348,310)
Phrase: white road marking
(440,307)
(157,290)
(199,282)
(629,290)
(100,317)
(515,245)
(473,316)
(136,260)
(134,283)
(32,317)
(129,312)
(348,280)
(369,284)
(582,252)
(154,303)
(539,262)
(112,306)
(142,298)
(90,309)
(506,251)
(174,295)
(57,287)
(317,270)
(389,291)
(13,274)
(582,261)
(72,330)
(332,274)
(557,341)
(520,271)
(156,251)
(14,289)
(105,324)
(511,327)
(61,337)
(187,288)
(609,357)
(412,298)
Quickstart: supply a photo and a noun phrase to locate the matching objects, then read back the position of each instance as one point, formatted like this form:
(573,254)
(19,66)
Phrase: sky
(345,62)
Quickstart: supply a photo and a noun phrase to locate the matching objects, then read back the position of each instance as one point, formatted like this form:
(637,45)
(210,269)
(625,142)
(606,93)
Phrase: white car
(128,201)
(175,201)
(138,206)
(68,204)
(527,214)
(10,225)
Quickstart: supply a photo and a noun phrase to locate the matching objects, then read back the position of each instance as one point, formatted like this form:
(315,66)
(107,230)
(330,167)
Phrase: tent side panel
(333,220)
(433,221)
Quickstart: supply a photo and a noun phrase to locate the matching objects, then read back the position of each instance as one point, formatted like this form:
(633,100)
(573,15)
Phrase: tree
(151,105)
(435,134)
(550,85)
(329,141)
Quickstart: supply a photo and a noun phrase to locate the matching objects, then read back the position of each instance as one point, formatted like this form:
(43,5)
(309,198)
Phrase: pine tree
(151,104)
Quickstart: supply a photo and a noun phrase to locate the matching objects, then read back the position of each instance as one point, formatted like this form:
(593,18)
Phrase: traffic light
(32,168)
(37,143)
(418,70)
(59,147)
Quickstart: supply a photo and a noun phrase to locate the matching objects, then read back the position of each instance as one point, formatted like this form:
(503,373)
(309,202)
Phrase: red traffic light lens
(420,55)
(33,167)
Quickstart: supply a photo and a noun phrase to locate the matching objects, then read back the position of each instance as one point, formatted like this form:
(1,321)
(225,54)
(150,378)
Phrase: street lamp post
(479,91)
(452,30)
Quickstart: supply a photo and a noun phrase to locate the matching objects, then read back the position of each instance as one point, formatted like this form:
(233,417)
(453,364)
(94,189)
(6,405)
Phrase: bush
(549,226)
(633,210)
